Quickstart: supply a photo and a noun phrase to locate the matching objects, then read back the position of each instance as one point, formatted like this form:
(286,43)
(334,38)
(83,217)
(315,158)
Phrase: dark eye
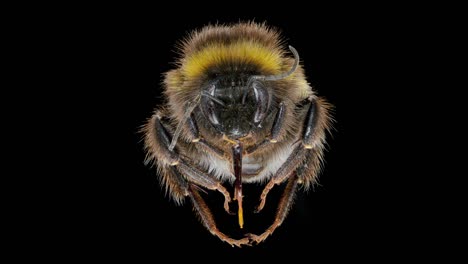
(262,100)
(208,106)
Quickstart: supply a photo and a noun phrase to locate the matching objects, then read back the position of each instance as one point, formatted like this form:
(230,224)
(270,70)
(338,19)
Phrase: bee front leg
(297,156)
(275,130)
(207,219)
(195,175)
(196,138)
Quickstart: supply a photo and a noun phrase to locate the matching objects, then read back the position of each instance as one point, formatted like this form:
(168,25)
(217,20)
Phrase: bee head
(223,105)
(238,73)
(236,103)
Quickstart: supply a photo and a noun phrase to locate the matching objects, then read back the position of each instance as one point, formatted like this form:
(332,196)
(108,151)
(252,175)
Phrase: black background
(349,56)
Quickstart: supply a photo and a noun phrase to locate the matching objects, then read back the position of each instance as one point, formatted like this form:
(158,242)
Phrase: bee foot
(260,206)
(238,242)
(257,239)
(226,207)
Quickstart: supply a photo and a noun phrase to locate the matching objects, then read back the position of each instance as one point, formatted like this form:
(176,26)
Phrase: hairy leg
(306,153)
(206,217)
(310,141)
(274,133)
(158,140)
(283,208)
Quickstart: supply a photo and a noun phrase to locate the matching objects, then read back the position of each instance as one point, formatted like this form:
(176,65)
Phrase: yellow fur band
(267,59)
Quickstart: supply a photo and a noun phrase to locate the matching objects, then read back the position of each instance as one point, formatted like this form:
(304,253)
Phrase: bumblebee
(239,110)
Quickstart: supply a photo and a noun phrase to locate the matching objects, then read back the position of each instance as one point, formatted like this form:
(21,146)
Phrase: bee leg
(195,175)
(158,142)
(283,208)
(207,219)
(293,161)
(196,138)
(275,130)
(317,110)
(309,137)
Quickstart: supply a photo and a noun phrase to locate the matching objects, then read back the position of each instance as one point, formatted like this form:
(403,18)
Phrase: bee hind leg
(283,208)
(206,217)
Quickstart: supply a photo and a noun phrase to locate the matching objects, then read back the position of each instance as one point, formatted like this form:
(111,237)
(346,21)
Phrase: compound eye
(208,106)
(262,99)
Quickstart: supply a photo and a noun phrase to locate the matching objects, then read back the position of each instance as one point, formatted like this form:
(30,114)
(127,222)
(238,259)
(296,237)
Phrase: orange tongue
(237,158)
(239,202)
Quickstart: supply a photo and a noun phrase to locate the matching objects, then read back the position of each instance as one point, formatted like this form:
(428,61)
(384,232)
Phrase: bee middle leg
(161,140)
(306,153)
(301,151)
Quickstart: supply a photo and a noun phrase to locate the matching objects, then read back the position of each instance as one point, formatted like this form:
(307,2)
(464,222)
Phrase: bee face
(239,110)
(234,106)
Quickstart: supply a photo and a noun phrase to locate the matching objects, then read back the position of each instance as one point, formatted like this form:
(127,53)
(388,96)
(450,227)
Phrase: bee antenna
(214,99)
(188,112)
(274,77)
(285,74)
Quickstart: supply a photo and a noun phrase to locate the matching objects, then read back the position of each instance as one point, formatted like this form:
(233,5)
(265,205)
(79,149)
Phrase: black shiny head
(237,103)
(234,105)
